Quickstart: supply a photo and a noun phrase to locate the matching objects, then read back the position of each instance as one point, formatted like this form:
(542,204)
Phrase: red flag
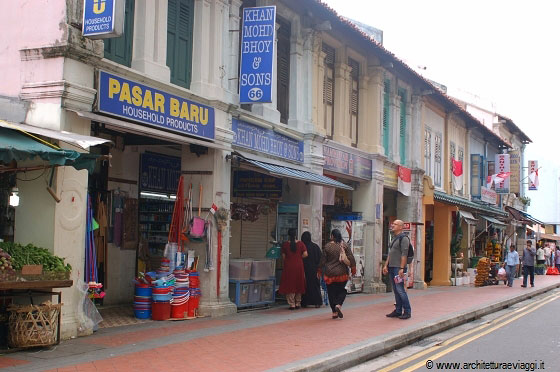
(457,170)
(405,180)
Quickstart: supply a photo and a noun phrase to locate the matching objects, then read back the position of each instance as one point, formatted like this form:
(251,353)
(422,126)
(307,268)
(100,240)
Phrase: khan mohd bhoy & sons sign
(131,100)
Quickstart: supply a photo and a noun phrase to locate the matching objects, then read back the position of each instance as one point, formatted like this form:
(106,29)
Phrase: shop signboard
(159,173)
(390,178)
(147,105)
(249,184)
(488,195)
(533,175)
(257,54)
(502,166)
(266,141)
(343,162)
(515,168)
(103,18)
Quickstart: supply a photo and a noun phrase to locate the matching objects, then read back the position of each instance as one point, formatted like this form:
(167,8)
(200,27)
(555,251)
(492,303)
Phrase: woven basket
(33,325)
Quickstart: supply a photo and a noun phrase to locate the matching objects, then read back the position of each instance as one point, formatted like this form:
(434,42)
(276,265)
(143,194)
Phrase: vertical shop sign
(502,165)
(515,168)
(257,54)
(159,173)
(533,175)
(103,18)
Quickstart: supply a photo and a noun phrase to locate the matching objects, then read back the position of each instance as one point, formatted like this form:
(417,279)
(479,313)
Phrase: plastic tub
(162,297)
(178,311)
(240,269)
(262,269)
(142,314)
(140,291)
(161,310)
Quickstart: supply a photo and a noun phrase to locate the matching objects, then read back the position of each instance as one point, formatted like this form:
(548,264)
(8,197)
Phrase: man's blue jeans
(401,298)
(510,272)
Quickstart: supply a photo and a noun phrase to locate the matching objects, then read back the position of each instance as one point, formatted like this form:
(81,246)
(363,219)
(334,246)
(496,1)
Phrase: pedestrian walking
(292,283)
(548,255)
(395,266)
(512,264)
(529,253)
(557,258)
(312,296)
(336,260)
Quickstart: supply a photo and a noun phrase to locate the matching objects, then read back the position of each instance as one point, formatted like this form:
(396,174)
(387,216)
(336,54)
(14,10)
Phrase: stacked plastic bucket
(180,295)
(161,304)
(142,301)
(194,283)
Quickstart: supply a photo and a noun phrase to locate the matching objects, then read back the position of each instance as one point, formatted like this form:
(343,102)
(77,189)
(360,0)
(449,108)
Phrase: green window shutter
(386,110)
(402,129)
(119,49)
(180,18)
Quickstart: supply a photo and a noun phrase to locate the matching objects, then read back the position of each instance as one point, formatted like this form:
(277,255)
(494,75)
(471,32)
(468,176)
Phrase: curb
(338,361)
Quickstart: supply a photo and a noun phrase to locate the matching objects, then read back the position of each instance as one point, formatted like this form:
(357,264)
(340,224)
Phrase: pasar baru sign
(131,100)
(257,54)
(103,18)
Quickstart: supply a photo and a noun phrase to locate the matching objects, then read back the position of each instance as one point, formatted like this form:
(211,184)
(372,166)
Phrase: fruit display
(482,271)
(494,250)
(30,254)
(7,271)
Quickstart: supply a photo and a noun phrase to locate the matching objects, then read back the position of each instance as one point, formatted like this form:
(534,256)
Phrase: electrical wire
(34,179)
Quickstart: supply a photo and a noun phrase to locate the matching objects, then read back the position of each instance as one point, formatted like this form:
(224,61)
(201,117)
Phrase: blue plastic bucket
(145,292)
(142,314)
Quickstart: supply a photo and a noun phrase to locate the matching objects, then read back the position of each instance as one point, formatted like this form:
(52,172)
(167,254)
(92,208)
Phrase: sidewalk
(275,339)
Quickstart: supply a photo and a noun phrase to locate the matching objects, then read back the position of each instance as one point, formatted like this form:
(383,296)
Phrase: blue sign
(159,173)
(131,100)
(346,163)
(249,184)
(257,54)
(266,141)
(99,17)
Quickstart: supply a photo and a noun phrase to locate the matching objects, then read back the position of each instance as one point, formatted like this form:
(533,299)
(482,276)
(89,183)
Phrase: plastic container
(254,293)
(240,269)
(142,314)
(267,291)
(161,310)
(178,311)
(192,306)
(140,291)
(261,269)
(162,297)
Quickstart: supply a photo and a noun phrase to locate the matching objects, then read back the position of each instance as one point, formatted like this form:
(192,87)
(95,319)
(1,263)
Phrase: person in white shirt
(547,254)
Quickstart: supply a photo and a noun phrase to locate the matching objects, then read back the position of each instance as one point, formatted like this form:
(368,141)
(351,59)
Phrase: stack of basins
(161,305)
(194,299)
(180,295)
(142,301)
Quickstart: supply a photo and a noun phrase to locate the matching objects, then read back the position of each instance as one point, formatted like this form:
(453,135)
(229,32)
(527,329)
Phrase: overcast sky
(507,53)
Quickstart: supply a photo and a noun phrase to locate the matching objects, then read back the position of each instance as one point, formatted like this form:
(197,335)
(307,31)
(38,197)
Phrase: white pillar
(232,65)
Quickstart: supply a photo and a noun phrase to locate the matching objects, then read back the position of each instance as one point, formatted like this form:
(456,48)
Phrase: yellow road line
(462,335)
(483,333)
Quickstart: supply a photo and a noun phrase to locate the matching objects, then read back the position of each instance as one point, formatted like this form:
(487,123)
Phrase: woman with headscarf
(337,259)
(312,296)
(292,283)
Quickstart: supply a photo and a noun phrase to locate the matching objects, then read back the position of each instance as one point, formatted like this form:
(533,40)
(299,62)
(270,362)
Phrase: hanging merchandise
(209,265)
(91,254)
(197,223)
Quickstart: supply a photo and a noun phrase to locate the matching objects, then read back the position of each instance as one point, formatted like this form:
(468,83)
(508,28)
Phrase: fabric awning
(518,216)
(16,146)
(495,222)
(531,218)
(459,201)
(308,176)
(72,138)
(550,237)
(468,217)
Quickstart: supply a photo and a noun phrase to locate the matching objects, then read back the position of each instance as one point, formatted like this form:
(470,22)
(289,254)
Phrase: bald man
(396,267)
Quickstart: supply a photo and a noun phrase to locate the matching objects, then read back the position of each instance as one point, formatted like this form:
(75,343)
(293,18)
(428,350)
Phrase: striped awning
(495,222)
(281,171)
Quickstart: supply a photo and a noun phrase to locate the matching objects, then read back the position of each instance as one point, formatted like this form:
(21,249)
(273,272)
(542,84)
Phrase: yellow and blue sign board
(100,18)
(138,102)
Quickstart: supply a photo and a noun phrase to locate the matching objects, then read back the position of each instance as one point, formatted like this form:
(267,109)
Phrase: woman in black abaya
(312,296)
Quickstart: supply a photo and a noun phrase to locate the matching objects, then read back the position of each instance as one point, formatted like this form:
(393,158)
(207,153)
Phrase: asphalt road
(525,337)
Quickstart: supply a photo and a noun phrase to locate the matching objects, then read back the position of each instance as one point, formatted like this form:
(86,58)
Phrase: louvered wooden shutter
(119,49)
(283,64)
(477,175)
(354,96)
(328,89)
(402,128)
(256,235)
(180,17)
(386,110)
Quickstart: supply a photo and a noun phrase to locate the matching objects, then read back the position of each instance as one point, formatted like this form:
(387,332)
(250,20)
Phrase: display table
(31,288)
(245,293)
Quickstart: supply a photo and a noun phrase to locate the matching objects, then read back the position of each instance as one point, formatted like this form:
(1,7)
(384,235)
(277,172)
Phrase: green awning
(455,200)
(16,146)
(495,222)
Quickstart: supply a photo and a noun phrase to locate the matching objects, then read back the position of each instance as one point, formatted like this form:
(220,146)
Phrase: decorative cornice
(73,95)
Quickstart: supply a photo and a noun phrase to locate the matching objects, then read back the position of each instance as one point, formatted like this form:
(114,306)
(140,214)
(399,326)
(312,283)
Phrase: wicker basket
(33,325)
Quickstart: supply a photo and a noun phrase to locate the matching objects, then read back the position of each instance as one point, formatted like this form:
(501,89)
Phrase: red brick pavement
(274,345)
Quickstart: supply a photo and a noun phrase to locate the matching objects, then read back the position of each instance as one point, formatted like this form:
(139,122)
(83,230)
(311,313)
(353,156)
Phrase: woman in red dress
(292,283)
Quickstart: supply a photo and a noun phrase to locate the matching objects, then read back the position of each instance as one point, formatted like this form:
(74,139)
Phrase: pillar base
(214,309)
(440,283)
(420,285)
(375,287)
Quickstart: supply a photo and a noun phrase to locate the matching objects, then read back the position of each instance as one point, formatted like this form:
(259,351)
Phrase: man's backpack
(410,255)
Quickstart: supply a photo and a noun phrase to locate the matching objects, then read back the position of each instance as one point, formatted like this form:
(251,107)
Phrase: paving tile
(11,362)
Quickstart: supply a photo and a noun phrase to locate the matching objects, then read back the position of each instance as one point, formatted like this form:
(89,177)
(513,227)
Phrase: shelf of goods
(252,282)
(154,222)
